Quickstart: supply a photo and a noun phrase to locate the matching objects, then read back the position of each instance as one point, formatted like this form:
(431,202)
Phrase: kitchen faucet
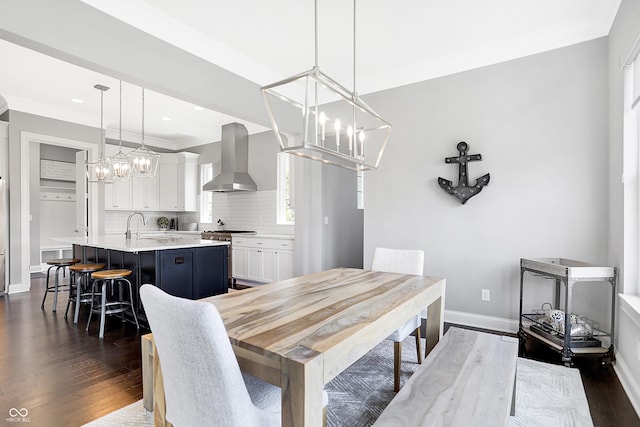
(127,234)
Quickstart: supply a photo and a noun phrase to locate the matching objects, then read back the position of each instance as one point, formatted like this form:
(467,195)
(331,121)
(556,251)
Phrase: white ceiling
(398,43)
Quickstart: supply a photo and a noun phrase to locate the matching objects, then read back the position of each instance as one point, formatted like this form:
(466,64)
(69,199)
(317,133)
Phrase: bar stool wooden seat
(106,280)
(58,263)
(81,291)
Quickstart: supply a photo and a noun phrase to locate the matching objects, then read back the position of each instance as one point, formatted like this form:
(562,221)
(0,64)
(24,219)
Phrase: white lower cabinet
(260,259)
(284,261)
(238,262)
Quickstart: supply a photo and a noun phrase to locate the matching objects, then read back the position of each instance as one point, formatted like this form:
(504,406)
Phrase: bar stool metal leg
(60,263)
(131,302)
(46,290)
(103,307)
(81,292)
(116,302)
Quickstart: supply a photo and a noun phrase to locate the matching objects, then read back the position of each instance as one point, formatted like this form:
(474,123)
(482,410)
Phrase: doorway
(27,206)
(58,189)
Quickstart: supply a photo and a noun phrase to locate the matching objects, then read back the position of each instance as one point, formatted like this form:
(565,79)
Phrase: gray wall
(344,232)
(326,191)
(540,123)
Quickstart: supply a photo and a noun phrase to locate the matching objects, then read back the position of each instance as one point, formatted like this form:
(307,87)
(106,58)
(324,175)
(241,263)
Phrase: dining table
(302,332)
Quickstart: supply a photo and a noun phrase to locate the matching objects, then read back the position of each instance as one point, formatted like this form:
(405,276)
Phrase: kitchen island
(181,265)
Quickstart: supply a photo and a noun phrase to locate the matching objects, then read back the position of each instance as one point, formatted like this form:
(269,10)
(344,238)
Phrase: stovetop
(229,231)
(223,235)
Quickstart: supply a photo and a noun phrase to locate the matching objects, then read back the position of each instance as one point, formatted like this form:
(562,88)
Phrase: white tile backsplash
(239,211)
(248,211)
(116,221)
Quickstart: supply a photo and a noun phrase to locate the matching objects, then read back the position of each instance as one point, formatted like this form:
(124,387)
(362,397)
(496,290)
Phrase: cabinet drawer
(253,242)
(284,244)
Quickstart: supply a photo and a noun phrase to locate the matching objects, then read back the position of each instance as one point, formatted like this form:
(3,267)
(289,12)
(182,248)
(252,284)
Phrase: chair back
(406,261)
(202,380)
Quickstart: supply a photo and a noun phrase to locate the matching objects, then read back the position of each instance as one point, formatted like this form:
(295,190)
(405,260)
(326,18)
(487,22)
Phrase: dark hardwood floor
(65,376)
(62,374)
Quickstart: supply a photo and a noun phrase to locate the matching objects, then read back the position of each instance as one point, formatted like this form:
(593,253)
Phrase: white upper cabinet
(174,188)
(145,193)
(168,175)
(178,178)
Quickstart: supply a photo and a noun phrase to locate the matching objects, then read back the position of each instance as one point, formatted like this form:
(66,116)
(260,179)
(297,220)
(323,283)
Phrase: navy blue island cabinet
(194,272)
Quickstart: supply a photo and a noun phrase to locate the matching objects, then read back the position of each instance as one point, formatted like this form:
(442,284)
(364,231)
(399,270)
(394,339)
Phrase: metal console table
(568,273)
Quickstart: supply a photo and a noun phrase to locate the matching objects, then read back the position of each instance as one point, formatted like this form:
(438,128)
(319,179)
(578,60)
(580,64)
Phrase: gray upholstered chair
(407,262)
(202,380)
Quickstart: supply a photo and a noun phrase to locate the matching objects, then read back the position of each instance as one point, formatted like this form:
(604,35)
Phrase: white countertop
(146,242)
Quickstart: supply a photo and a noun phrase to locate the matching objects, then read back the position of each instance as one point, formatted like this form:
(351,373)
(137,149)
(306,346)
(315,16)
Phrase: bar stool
(119,305)
(81,291)
(58,263)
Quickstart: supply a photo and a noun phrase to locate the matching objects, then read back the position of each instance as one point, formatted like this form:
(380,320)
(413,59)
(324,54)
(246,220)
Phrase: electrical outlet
(326,220)
(486,295)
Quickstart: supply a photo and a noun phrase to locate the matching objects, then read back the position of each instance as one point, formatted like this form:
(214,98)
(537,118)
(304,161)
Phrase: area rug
(546,394)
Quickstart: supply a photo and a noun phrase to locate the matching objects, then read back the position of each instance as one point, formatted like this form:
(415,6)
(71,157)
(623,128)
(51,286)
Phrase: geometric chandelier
(98,170)
(144,162)
(315,117)
(119,163)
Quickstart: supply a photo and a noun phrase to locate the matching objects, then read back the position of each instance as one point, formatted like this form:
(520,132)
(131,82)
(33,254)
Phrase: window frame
(206,197)
(285,202)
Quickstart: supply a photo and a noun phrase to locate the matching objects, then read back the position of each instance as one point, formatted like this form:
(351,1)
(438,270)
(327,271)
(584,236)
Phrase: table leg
(152,384)
(159,403)
(434,325)
(148,350)
(302,384)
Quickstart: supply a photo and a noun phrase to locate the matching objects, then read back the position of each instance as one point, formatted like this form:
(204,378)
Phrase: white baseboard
(17,288)
(629,383)
(481,321)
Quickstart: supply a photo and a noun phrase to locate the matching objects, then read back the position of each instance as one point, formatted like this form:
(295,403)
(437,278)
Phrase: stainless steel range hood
(234,162)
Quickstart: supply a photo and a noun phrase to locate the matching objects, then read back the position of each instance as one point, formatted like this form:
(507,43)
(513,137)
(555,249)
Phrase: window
(286,205)
(206,197)
(631,175)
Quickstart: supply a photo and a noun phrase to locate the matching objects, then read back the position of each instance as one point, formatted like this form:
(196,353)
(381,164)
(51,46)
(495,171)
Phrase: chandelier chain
(143,116)
(354,48)
(120,114)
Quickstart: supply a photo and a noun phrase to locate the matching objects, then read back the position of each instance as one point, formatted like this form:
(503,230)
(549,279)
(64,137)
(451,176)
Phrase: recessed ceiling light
(77,100)
(166,119)
(198,108)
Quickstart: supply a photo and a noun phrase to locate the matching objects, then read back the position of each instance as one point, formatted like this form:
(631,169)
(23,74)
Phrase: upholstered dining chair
(404,261)
(203,383)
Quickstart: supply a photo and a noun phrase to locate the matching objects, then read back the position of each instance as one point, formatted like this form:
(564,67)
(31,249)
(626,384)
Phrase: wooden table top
(319,313)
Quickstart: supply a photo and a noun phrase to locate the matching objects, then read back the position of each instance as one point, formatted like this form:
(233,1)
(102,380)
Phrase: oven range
(225,236)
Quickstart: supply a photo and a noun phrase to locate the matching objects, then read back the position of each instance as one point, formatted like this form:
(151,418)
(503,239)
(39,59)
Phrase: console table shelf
(567,273)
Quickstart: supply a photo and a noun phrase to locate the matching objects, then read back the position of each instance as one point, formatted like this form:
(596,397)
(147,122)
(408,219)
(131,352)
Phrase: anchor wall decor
(463,191)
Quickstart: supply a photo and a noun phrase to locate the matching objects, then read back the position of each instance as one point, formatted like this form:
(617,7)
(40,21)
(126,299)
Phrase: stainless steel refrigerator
(3,233)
